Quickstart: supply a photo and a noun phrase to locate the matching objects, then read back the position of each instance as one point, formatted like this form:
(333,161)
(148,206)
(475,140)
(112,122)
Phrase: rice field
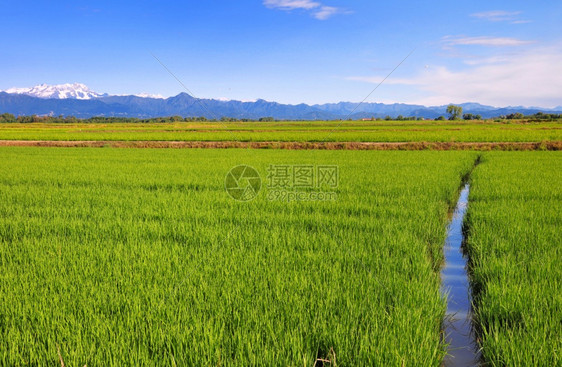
(114,257)
(298,131)
(515,247)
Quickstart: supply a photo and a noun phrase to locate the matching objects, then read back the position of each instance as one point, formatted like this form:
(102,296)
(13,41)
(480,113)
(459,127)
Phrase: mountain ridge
(78,100)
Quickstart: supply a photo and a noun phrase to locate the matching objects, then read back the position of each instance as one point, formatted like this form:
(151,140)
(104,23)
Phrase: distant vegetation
(455,113)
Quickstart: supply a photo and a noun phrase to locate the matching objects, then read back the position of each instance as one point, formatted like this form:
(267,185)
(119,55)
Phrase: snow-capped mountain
(59,91)
(68,91)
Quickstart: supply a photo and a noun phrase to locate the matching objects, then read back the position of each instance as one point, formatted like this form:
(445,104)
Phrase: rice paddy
(112,257)
(292,131)
(515,247)
(140,257)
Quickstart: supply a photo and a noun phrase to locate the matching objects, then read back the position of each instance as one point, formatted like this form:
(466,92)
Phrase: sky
(499,53)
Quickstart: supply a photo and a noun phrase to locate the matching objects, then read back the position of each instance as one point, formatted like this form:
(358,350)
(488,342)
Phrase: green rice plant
(303,131)
(112,257)
(514,222)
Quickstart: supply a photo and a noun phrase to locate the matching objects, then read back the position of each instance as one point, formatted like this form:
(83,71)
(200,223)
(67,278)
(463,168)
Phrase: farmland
(281,183)
(515,247)
(127,257)
(139,256)
(301,131)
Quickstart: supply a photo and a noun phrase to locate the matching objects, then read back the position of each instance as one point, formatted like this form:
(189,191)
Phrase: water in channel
(463,349)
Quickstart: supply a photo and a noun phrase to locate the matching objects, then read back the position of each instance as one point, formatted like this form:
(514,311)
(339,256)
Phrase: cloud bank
(530,77)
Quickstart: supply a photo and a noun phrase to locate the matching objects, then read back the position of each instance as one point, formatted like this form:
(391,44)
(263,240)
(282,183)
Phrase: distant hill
(78,100)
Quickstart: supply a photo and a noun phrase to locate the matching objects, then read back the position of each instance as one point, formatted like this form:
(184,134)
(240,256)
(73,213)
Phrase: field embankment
(501,146)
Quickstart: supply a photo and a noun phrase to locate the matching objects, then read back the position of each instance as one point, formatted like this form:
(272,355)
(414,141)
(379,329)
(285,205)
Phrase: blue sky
(292,51)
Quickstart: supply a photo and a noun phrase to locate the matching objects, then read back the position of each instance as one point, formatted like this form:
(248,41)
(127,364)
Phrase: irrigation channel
(457,327)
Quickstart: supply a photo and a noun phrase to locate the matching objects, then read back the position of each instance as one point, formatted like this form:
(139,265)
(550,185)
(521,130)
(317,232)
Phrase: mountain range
(78,100)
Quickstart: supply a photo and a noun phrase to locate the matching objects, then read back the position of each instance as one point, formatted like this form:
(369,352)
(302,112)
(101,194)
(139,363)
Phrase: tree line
(8,117)
(454,113)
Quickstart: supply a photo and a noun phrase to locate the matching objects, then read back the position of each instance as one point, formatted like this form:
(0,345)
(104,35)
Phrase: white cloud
(318,10)
(149,95)
(291,4)
(325,12)
(528,78)
(500,16)
(485,41)
(496,15)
